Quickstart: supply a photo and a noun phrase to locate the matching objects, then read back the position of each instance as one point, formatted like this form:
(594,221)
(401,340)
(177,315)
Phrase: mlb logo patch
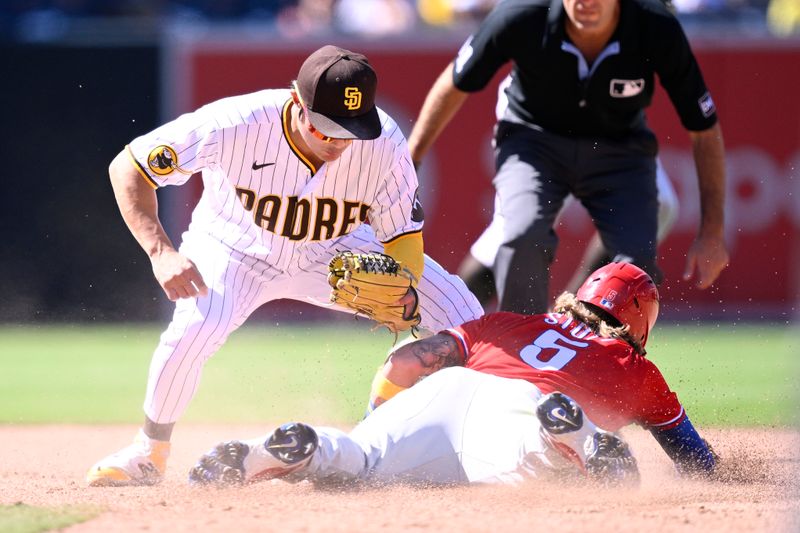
(707,106)
(626,88)
(608,304)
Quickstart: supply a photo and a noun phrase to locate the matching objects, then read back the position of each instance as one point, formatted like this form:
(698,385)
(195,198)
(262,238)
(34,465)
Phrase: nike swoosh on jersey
(256,166)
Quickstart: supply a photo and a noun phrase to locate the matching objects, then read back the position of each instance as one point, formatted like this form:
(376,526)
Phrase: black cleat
(292,443)
(558,413)
(224,465)
(610,461)
(285,451)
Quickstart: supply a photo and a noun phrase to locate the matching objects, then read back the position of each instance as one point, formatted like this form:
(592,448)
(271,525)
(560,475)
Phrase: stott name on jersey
(575,328)
(299,219)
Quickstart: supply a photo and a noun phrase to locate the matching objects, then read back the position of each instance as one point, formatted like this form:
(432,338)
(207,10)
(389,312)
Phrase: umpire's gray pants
(536,170)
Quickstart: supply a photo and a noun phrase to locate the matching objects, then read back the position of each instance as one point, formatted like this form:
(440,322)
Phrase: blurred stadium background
(80,310)
(83,77)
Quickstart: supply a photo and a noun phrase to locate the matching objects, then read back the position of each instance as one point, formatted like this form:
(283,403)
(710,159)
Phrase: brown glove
(371,285)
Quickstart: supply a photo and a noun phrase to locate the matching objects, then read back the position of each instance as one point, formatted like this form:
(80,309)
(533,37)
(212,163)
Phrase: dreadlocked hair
(601,322)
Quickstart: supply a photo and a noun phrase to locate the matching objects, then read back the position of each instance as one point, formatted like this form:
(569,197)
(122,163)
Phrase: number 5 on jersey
(539,356)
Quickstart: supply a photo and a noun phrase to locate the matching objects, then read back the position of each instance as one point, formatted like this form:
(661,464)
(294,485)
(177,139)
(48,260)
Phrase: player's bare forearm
(709,154)
(138,205)
(436,352)
(406,365)
(441,104)
(708,255)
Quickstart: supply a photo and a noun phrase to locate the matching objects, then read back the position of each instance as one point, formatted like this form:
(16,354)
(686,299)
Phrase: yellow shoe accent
(142,463)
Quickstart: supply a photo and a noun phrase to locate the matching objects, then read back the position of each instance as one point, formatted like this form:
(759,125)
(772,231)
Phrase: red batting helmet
(625,292)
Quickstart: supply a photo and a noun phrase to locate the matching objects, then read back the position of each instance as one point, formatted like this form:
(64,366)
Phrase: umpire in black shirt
(583,73)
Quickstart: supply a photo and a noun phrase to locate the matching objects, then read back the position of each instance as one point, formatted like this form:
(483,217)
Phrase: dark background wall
(65,253)
(67,110)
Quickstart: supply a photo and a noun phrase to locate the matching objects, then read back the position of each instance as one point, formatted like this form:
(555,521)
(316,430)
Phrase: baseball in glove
(372,285)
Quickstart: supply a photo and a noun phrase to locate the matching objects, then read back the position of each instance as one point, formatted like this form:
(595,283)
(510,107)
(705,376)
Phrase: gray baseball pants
(536,170)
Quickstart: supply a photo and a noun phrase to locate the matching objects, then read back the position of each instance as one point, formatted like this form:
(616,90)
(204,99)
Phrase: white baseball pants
(456,426)
(239,284)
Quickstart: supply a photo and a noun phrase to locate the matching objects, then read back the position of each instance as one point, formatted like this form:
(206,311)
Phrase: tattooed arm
(410,362)
(423,357)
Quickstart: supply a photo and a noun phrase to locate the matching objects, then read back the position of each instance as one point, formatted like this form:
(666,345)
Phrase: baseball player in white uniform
(457,426)
(290,177)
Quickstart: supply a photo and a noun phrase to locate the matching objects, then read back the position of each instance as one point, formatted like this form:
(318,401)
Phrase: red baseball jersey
(613,384)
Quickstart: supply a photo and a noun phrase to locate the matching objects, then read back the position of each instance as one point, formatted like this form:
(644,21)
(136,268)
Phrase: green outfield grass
(21,518)
(725,375)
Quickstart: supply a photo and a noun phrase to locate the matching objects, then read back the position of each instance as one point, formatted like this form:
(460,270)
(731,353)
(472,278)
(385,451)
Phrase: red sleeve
(485,327)
(658,405)
(465,336)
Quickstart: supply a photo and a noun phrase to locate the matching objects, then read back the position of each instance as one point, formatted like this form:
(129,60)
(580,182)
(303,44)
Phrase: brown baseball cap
(338,89)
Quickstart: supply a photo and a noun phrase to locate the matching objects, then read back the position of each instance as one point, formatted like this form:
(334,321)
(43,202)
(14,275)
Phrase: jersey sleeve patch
(163,160)
(464,54)
(706,104)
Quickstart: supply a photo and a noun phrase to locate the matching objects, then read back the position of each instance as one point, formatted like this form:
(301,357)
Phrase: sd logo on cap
(338,88)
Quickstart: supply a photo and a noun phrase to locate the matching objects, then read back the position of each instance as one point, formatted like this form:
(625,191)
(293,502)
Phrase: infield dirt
(760,491)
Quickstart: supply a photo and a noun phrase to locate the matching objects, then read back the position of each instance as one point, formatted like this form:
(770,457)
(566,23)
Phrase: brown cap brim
(365,127)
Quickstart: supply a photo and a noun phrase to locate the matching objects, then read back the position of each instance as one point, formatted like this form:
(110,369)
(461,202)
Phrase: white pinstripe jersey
(262,197)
